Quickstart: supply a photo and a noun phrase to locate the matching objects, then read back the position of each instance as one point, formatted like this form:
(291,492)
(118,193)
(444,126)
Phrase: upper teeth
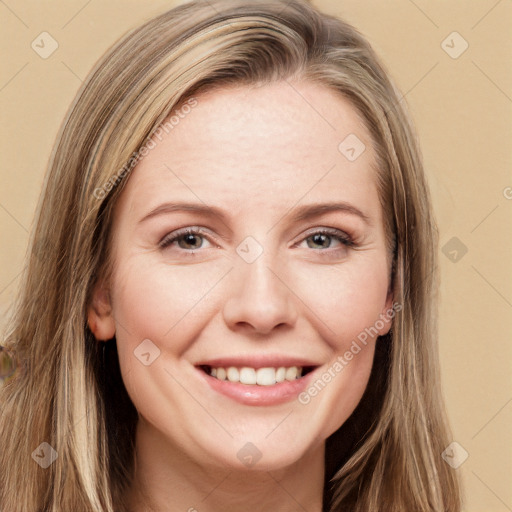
(260,376)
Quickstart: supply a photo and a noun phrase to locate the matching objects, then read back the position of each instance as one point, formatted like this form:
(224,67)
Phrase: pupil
(189,239)
(320,239)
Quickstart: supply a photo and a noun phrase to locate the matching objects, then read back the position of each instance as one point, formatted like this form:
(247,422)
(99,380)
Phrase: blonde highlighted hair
(69,393)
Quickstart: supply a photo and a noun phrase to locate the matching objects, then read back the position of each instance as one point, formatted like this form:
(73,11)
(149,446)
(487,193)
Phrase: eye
(325,238)
(188,239)
(193,238)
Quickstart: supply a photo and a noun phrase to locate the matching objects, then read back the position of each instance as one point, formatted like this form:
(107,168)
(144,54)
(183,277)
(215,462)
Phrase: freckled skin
(255,153)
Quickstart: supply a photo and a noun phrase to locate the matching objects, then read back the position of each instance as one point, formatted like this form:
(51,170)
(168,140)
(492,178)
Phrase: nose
(260,300)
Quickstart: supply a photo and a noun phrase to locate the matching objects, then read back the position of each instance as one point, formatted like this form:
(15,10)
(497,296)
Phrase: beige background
(463,111)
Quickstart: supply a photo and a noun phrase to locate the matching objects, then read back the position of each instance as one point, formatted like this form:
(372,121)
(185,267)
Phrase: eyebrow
(204,209)
(295,214)
(317,209)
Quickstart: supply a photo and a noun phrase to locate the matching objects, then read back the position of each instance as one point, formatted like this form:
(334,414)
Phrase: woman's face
(249,242)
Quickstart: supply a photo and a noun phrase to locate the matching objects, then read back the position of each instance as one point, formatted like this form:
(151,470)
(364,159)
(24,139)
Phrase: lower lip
(259,395)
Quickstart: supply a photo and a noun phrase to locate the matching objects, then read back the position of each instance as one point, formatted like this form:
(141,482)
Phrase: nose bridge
(259,298)
(262,283)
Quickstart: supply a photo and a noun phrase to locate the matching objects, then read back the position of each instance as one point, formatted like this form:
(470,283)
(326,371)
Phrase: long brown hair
(387,456)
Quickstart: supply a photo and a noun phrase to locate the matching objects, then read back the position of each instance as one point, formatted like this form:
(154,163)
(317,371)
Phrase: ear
(387,314)
(99,317)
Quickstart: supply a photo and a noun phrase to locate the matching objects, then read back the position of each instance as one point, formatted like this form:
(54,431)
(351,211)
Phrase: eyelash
(172,237)
(342,237)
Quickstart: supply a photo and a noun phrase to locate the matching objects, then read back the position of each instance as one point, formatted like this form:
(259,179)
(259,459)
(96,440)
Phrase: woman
(231,296)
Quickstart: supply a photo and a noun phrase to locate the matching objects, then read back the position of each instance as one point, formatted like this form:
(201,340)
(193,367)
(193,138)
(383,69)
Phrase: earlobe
(387,315)
(99,315)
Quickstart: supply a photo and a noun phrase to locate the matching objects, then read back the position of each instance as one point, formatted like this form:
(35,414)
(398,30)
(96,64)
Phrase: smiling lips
(255,376)
(261,384)
(265,379)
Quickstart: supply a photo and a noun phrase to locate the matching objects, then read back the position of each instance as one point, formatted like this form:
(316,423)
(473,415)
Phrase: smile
(264,383)
(256,376)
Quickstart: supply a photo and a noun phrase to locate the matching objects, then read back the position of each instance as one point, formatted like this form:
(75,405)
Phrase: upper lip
(258,361)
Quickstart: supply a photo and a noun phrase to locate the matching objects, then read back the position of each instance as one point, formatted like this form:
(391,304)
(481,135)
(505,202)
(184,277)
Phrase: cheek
(346,300)
(349,374)
(168,305)
(347,303)
(163,303)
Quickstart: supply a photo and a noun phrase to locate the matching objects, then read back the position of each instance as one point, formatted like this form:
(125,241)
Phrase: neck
(166,480)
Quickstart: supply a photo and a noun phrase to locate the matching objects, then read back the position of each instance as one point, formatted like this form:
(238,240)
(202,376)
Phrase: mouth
(266,376)
(257,381)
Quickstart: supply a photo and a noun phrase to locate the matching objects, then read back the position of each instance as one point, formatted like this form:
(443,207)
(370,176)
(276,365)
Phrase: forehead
(259,146)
